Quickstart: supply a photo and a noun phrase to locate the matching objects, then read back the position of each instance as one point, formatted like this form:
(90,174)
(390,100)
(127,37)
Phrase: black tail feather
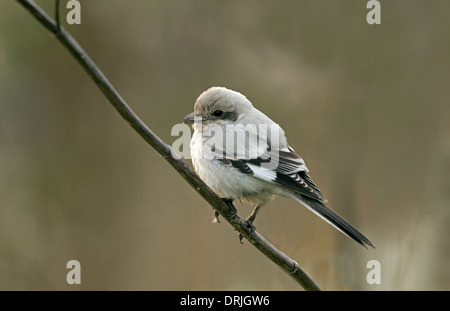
(333,218)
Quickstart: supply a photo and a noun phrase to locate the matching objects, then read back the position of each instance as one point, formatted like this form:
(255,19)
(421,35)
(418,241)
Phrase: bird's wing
(269,161)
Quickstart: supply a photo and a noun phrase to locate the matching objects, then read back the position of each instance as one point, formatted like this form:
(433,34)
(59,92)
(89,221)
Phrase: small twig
(224,209)
(58,26)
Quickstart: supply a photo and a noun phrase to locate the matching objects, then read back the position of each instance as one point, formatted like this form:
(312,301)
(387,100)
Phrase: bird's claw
(250,226)
(216,217)
(229,202)
(240,238)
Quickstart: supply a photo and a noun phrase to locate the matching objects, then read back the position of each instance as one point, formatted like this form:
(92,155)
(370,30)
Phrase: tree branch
(226,211)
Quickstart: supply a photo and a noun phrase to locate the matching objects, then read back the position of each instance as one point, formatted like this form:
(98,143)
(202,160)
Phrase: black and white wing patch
(290,172)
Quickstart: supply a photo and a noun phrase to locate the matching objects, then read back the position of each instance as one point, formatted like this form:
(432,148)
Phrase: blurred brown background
(367,107)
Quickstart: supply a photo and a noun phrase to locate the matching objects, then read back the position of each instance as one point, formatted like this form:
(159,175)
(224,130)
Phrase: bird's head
(219,105)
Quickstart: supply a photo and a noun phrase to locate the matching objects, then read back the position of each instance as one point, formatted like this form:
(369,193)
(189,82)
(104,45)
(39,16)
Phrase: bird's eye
(218,113)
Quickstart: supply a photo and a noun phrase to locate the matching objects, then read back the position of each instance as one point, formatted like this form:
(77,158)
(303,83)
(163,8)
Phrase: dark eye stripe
(231,116)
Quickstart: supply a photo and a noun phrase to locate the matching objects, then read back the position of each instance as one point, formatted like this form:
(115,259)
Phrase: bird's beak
(190,118)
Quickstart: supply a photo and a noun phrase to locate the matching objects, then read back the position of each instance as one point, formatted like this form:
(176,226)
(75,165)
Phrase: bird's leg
(250,219)
(229,202)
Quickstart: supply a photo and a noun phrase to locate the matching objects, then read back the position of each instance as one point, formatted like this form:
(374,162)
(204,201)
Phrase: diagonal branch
(225,210)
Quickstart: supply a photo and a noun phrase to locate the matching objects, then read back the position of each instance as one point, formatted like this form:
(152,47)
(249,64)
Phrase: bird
(242,155)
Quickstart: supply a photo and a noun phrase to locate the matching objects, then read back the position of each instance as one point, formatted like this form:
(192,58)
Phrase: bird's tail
(333,218)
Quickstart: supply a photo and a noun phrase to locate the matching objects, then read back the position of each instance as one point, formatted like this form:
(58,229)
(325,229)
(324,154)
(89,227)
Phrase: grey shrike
(241,154)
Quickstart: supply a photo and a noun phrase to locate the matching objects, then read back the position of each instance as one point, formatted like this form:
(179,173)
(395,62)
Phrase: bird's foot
(216,217)
(240,238)
(250,221)
(250,226)
(229,202)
